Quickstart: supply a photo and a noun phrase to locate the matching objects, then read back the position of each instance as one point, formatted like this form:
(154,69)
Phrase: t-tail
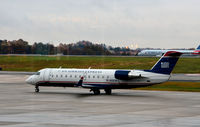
(166,63)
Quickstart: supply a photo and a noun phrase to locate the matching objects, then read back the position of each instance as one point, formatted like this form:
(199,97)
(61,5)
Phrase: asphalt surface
(59,107)
(185,77)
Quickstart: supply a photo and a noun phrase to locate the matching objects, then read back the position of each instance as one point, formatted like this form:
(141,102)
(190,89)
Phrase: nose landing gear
(37,89)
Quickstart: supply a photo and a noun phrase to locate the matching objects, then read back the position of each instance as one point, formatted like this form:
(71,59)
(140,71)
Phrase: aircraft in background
(106,79)
(197,51)
(161,52)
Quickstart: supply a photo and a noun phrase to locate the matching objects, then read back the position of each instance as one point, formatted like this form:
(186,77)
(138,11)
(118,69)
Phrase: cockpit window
(37,73)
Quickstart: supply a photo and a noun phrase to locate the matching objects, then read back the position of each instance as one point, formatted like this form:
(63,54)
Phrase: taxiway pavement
(59,107)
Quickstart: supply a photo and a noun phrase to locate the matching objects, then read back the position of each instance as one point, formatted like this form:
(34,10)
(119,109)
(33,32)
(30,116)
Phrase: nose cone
(29,80)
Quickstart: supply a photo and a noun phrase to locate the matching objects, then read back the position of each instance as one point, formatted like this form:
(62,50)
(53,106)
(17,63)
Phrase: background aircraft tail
(198,47)
(197,51)
(166,63)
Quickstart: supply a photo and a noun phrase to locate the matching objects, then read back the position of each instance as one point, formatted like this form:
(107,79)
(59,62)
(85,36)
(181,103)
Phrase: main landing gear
(97,91)
(108,91)
(37,89)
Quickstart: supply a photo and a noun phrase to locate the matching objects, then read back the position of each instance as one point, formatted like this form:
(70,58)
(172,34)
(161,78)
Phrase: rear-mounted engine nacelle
(126,75)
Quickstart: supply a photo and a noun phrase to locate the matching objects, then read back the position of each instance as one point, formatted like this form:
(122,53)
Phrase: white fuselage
(161,52)
(100,78)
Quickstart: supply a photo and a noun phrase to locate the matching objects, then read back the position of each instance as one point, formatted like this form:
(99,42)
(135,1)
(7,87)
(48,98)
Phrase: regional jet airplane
(156,52)
(106,79)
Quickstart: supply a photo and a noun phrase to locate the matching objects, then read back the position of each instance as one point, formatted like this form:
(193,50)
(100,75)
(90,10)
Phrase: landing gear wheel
(37,89)
(108,91)
(96,91)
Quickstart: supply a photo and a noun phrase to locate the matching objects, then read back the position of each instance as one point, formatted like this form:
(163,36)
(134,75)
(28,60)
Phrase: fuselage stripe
(94,82)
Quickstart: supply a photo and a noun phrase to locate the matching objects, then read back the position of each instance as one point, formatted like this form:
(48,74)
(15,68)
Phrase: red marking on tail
(173,53)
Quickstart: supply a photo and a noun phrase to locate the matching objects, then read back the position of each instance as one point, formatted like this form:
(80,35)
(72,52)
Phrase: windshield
(37,73)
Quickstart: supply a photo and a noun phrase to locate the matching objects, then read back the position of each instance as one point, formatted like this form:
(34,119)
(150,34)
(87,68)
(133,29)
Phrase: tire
(96,91)
(37,89)
(108,91)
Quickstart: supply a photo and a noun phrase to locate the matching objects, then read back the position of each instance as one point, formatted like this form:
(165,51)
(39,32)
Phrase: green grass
(175,86)
(35,63)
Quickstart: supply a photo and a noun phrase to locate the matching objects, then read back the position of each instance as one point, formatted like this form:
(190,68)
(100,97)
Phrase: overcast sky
(148,23)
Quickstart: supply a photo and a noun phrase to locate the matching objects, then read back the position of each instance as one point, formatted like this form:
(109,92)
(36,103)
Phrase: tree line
(80,48)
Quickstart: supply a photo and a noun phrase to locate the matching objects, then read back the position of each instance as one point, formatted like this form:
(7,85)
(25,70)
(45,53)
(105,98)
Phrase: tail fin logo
(164,64)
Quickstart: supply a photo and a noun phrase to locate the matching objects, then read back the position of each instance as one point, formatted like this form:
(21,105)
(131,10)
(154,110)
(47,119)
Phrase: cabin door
(46,75)
(85,76)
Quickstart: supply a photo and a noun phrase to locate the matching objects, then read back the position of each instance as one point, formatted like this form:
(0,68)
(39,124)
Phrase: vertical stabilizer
(166,63)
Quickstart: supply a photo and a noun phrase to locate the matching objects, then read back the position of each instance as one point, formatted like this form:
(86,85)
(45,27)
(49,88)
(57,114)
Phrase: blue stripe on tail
(166,63)
(198,47)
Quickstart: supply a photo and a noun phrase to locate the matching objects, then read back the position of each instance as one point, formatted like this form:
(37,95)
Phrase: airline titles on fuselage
(81,71)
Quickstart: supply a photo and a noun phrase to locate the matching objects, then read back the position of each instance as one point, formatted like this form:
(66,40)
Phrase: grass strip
(35,63)
(174,86)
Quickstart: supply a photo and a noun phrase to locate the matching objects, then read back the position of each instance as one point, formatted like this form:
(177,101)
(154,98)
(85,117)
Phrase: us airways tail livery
(107,79)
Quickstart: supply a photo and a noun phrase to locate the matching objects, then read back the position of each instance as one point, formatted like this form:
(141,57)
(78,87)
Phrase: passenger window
(66,76)
(70,76)
(93,76)
(88,76)
(107,76)
(102,76)
(75,76)
(79,76)
(56,76)
(61,76)
(97,76)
